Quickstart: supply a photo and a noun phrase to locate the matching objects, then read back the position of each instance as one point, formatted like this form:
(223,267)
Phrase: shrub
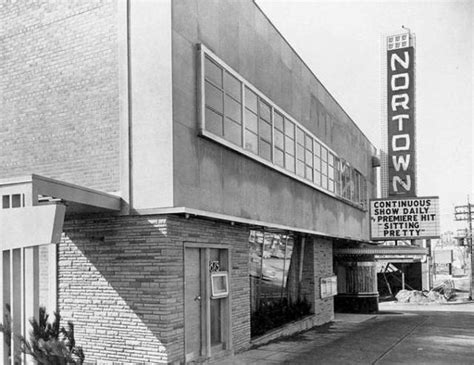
(6,328)
(273,314)
(49,344)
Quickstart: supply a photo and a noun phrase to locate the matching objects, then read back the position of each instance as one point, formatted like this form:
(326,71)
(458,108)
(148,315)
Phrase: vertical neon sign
(401,117)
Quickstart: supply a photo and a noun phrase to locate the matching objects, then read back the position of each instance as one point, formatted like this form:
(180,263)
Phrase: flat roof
(41,190)
(268,226)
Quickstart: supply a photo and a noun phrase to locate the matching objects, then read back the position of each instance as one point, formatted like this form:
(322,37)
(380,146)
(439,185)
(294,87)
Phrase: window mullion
(272,135)
(242,108)
(258,125)
(223,102)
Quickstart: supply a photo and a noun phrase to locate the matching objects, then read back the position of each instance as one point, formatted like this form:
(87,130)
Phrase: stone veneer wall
(120,280)
(317,263)
(59,91)
(322,255)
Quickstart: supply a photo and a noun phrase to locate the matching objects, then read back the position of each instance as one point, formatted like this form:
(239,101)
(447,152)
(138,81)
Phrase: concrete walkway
(399,334)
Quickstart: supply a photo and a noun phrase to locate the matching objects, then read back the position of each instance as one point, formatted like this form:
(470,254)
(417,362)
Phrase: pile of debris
(439,294)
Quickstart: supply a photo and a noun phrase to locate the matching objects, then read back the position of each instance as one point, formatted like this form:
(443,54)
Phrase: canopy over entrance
(383,250)
(33,208)
(32,215)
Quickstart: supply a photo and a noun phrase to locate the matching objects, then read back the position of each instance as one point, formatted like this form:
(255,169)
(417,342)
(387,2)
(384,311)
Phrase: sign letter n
(406,185)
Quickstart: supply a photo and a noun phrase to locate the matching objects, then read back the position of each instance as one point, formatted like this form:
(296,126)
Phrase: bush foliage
(49,343)
(273,314)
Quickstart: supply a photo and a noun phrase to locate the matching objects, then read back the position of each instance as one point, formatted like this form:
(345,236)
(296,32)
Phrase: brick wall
(59,91)
(121,283)
(323,267)
(209,232)
(317,263)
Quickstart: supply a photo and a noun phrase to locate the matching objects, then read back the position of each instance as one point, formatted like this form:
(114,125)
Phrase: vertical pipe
(242,109)
(3,299)
(260,279)
(300,266)
(284,267)
(207,303)
(52,280)
(31,290)
(469,216)
(12,310)
(16,299)
(23,298)
(228,303)
(129,127)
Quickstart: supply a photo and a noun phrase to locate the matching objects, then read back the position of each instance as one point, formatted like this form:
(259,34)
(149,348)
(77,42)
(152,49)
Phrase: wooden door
(193,302)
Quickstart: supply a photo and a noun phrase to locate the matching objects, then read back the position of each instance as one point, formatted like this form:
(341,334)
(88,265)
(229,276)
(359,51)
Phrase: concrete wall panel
(233,184)
(151,104)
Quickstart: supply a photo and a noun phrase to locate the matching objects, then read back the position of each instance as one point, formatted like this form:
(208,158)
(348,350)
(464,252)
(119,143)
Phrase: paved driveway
(432,334)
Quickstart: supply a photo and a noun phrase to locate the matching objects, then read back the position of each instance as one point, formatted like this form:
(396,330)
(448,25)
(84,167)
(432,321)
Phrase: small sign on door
(219,284)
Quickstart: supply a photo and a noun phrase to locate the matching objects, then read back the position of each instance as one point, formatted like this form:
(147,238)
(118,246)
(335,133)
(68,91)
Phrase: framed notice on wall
(409,218)
(328,286)
(219,284)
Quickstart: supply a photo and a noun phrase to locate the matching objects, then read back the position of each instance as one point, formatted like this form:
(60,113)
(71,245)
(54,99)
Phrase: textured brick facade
(121,282)
(59,91)
(317,264)
(121,278)
(322,257)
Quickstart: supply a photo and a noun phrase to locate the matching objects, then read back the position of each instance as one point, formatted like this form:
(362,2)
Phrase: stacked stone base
(121,282)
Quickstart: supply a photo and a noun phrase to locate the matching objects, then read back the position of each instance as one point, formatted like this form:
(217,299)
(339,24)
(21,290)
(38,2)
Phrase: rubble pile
(439,294)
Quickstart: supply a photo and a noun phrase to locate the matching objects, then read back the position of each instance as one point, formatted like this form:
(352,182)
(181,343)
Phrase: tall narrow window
(324,167)
(279,139)
(317,163)
(331,173)
(363,191)
(232,109)
(355,178)
(346,180)
(251,121)
(237,115)
(337,175)
(223,103)
(264,130)
(214,97)
(308,157)
(289,145)
(300,152)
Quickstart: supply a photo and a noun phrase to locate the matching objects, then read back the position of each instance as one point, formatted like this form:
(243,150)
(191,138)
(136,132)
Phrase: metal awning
(383,250)
(33,208)
(34,190)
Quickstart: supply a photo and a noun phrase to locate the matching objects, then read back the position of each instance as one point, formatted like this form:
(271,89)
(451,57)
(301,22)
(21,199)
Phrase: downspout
(130,114)
(300,266)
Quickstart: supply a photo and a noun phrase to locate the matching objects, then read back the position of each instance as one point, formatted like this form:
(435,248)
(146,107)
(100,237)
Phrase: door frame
(206,348)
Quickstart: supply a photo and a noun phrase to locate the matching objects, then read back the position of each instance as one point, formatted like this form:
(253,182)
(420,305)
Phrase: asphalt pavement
(399,334)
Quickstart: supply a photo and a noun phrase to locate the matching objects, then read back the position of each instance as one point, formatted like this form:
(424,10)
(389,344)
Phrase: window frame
(204,52)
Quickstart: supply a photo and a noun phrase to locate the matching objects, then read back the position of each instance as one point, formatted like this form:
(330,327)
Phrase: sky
(341,42)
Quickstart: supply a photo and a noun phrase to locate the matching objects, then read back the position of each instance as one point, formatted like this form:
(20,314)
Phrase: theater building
(141,144)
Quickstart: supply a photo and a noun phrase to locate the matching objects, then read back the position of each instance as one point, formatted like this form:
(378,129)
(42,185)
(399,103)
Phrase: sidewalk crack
(399,340)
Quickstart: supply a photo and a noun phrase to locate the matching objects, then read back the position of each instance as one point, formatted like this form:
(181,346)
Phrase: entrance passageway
(430,334)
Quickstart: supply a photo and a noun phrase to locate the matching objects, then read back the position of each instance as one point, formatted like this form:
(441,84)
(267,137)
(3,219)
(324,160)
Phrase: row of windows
(233,111)
(13,201)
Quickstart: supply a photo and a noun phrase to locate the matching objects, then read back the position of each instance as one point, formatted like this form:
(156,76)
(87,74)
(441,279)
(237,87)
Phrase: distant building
(141,142)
